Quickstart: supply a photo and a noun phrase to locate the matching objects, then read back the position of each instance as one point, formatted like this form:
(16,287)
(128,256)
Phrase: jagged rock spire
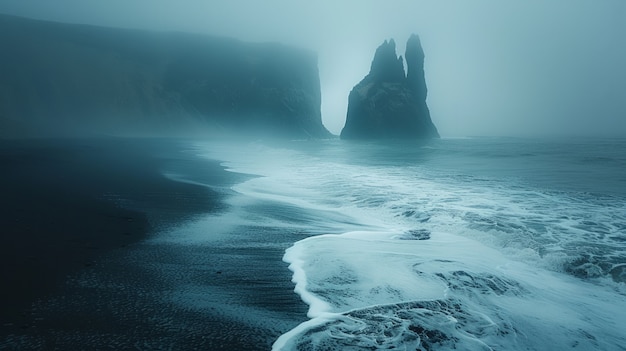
(415,66)
(387,103)
(386,66)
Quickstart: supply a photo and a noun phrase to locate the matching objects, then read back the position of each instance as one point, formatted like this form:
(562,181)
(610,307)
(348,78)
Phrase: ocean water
(465,244)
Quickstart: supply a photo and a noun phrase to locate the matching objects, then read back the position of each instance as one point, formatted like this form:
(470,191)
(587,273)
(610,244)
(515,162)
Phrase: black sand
(75,275)
(58,210)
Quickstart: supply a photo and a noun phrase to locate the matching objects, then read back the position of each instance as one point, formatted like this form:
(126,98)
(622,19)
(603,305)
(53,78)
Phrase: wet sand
(77,270)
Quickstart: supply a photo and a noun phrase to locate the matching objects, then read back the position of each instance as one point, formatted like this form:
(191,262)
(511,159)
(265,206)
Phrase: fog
(492,67)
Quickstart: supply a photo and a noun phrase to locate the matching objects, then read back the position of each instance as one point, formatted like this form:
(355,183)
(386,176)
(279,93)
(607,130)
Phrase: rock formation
(388,104)
(64,78)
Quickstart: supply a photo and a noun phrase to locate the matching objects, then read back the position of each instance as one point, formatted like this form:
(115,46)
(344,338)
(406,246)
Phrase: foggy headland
(61,79)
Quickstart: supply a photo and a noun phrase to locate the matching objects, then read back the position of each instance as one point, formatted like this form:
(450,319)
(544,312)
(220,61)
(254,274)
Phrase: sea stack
(387,103)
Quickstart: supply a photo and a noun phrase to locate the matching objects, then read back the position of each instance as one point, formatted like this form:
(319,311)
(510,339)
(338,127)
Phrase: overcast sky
(493,67)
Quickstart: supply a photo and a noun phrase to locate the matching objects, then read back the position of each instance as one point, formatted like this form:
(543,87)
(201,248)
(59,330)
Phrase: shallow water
(458,243)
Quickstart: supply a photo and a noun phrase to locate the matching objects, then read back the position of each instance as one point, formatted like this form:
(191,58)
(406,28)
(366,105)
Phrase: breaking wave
(459,244)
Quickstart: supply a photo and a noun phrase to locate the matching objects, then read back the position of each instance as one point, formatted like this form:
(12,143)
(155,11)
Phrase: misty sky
(493,67)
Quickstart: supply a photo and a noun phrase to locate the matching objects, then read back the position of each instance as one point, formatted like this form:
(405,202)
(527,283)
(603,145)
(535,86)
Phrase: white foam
(357,268)
(371,274)
(489,276)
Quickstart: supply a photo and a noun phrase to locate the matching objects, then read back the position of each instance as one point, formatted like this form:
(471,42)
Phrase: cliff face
(387,103)
(60,79)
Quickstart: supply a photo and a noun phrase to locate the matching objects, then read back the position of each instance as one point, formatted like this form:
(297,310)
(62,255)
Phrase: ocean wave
(375,291)
(398,239)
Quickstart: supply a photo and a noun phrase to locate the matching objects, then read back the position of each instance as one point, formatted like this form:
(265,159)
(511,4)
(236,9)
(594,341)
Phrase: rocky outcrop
(388,103)
(63,79)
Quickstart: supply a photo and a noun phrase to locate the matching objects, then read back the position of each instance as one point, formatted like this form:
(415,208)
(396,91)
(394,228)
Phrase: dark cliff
(387,103)
(63,78)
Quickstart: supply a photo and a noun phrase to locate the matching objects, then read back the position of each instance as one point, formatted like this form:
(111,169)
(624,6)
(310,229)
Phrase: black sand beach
(77,274)
(56,217)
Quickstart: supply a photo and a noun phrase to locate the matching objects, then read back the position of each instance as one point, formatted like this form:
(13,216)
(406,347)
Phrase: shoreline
(88,206)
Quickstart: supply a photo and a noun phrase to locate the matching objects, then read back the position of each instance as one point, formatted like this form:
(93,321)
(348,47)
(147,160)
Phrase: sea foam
(370,291)
(416,254)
